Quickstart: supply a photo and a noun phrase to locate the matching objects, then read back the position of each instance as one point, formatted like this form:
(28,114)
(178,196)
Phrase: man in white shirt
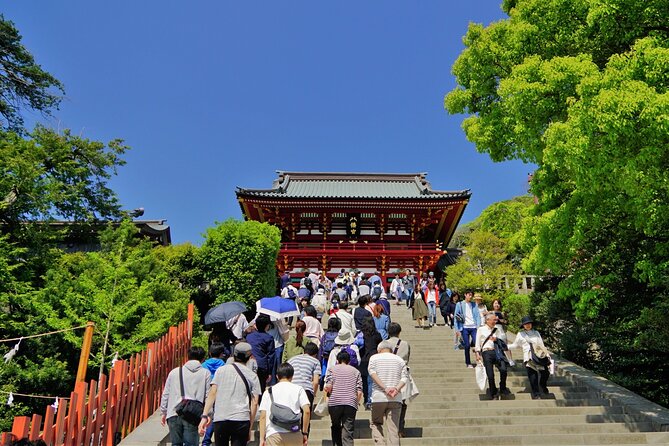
(292,396)
(389,374)
(346,318)
(485,351)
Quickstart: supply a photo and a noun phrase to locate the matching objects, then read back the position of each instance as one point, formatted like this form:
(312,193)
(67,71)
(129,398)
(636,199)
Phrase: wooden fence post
(85,352)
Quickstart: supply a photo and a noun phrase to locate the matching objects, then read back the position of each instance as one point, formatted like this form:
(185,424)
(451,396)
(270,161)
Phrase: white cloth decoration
(55,405)
(114,359)
(10,399)
(10,354)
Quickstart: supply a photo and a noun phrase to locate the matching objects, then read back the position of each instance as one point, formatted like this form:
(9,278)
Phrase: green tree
(483,266)
(23,83)
(238,259)
(580,89)
(125,289)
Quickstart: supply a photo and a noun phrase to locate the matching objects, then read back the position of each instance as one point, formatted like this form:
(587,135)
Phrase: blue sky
(214,95)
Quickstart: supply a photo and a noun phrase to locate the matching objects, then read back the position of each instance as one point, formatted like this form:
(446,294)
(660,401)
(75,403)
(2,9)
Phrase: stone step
(516,393)
(473,389)
(502,409)
(633,423)
(618,439)
(363,430)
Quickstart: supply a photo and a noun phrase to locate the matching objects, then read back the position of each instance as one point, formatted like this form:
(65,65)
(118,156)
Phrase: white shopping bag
(321,408)
(481,377)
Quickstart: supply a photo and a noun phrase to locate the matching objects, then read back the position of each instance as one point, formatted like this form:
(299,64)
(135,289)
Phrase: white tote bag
(481,377)
(410,390)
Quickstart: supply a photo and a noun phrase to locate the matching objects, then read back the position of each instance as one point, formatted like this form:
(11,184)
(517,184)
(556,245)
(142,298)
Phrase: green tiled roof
(351,185)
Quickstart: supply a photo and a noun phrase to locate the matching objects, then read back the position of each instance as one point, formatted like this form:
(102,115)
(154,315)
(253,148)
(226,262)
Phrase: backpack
(376,292)
(291,293)
(307,283)
(353,362)
(328,344)
(283,416)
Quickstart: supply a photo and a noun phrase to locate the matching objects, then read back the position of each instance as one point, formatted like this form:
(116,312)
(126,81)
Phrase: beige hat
(344,337)
(477,296)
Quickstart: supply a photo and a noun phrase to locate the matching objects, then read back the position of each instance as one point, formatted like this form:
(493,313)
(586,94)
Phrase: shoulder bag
(283,416)
(246,383)
(190,410)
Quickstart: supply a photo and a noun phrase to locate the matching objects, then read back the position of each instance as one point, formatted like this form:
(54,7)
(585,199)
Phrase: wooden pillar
(85,351)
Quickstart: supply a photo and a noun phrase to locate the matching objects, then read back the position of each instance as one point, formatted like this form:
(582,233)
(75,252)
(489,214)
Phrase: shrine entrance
(369,221)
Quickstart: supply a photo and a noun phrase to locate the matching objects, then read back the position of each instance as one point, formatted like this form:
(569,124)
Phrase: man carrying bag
(183,398)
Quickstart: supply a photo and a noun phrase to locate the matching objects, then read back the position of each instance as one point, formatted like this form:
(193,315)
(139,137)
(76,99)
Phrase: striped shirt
(346,382)
(306,368)
(391,370)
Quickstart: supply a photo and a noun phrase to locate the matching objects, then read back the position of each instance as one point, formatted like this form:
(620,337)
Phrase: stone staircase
(451,410)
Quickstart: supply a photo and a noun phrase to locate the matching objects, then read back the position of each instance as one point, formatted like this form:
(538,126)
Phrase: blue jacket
(212,364)
(262,347)
(460,309)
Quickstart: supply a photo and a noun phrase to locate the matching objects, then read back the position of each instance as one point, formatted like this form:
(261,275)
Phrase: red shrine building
(370,221)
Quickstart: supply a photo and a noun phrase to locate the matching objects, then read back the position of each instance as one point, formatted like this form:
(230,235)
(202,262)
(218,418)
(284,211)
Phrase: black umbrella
(224,312)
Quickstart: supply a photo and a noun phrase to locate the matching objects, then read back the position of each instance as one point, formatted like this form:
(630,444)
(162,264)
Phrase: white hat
(344,337)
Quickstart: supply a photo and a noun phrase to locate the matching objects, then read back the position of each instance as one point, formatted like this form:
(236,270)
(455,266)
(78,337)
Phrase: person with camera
(535,357)
(183,395)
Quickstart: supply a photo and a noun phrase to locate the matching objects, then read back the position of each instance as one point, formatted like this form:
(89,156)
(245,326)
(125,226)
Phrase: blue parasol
(223,312)
(277,307)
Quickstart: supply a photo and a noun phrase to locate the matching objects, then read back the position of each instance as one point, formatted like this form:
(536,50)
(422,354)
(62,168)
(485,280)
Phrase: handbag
(189,410)
(322,409)
(543,361)
(410,390)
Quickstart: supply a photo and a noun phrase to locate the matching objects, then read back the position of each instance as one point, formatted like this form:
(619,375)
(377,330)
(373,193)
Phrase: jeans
(235,432)
(467,334)
(343,421)
(409,296)
(388,412)
(490,359)
(208,434)
(432,312)
(182,433)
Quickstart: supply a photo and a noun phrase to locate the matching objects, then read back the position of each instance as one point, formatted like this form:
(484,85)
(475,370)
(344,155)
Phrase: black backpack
(308,284)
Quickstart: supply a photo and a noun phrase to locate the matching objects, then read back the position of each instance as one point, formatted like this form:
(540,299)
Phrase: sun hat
(344,337)
(478,296)
(526,320)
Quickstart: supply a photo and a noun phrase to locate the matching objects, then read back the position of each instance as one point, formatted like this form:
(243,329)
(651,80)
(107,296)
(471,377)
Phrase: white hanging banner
(10,354)
(10,399)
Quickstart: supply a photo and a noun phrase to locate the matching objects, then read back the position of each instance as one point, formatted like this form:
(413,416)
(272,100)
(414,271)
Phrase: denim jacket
(460,309)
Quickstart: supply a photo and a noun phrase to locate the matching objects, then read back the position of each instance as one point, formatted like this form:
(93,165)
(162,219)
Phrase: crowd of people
(272,370)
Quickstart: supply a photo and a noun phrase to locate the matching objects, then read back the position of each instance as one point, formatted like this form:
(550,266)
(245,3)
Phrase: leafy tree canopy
(581,89)
(23,83)
(238,259)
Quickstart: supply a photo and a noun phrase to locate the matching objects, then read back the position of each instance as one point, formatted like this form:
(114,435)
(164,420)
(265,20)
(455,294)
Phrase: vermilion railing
(100,413)
(360,246)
